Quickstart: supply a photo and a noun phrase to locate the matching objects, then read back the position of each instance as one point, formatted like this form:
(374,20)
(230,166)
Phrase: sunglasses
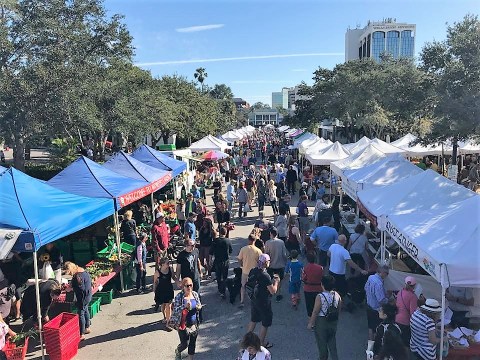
(188,285)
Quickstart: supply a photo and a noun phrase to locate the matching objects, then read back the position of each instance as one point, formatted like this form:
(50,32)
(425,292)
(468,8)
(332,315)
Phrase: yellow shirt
(249,256)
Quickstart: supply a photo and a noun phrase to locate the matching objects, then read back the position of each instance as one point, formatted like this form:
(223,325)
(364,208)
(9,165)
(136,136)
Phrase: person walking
(324,236)
(188,265)
(219,254)
(303,220)
(324,318)
(388,341)
(190,205)
(406,305)
(242,199)
(291,180)
(160,236)
(295,269)
(357,246)
(164,290)
(185,318)
(248,258)
(261,304)
(180,210)
(252,348)
(272,196)
(281,225)
(294,240)
(261,194)
(231,195)
(206,235)
(141,263)
(376,297)
(277,251)
(312,282)
(82,287)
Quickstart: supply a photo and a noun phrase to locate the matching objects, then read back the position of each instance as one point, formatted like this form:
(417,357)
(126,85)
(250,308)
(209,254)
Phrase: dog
(234,284)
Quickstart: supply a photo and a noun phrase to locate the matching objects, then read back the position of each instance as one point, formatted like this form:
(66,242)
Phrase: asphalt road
(129,328)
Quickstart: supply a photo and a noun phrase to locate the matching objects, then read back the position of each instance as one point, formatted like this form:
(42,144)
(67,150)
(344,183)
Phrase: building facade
(262,117)
(280,99)
(387,36)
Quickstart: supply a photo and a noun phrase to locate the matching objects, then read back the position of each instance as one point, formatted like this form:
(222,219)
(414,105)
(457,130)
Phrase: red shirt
(312,278)
(160,236)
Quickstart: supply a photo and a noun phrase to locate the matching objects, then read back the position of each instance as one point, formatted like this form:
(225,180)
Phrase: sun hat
(263,258)
(431,305)
(410,280)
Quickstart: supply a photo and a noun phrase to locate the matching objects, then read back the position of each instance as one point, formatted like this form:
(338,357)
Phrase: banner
(8,238)
(350,188)
(421,257)
(368,214)
(146,190)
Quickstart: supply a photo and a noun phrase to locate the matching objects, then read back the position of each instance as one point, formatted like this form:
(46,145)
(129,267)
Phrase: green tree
(200,75)
(454,65)
(221,92)
(50,50)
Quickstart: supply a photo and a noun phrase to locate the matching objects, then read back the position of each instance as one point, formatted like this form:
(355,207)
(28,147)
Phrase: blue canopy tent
(33,214)
(126,165)
(87,178)
(158,160)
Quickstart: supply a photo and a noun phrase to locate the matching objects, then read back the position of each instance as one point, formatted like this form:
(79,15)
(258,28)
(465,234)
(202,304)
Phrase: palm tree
(200,75)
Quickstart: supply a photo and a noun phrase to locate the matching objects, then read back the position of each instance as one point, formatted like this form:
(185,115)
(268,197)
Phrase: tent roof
(219,141)
(232,136)
(158,160)
(359,145)
(450,236)
(469,147)
(422,150)
(306,136)
(283,128)
(404,141)
(368,155)
(386,148)
(124,164)
(386,171)
(318,146)
(426,191)
(87,178)
(206,144)
(333,153)
(43,212)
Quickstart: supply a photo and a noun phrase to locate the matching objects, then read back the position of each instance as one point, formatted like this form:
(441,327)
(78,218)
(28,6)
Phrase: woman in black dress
(164,290)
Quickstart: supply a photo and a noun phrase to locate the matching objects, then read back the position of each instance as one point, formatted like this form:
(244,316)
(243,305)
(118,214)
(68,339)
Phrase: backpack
(385,329)
(251,287)
(332,310)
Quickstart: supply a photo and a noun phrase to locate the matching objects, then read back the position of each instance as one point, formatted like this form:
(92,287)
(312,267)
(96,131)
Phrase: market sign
(350,188)
(422,258)
(368,214)
(138,194)
(8,238)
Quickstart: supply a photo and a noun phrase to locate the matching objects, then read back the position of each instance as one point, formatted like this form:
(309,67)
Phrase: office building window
(369,44)
(360,52)
(393,43)
(378,44)
(407,47)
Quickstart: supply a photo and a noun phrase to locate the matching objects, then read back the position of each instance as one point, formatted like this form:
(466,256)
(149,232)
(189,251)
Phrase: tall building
(280,99)
(387,36)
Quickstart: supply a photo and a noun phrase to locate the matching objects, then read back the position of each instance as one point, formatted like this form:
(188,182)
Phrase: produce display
(169,209)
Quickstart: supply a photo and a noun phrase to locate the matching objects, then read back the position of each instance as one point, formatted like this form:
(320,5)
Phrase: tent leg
(152,204)
(39,311)
(175,192)
(330,185)
(442,318)
(119,250)
(382,247)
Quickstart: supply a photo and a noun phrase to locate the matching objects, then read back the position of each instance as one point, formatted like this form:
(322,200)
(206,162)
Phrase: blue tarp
(87,178)
(158,160)
(43,212)
(124,164)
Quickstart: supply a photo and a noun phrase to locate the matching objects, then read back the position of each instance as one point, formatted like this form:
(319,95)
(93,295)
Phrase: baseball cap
(159,214)
(410,280)
(304,184)
(431,305)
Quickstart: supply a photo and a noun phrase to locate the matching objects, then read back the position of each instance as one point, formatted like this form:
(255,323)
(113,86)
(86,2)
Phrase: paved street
(129,328)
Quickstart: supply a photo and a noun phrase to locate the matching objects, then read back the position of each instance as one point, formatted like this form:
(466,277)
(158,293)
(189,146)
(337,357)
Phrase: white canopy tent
(386,148)
(368,155)
(333,153)
(383,172)
(404,141)
(359,145)
(290,131)
(469,147)
(310,143)
(305,137)
(420,150)
(209,143)
(250,129)
(319,146)
(232,136)
(283,128)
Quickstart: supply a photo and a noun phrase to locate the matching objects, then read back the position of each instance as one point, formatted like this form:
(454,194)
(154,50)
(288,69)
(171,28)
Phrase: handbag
(191,330)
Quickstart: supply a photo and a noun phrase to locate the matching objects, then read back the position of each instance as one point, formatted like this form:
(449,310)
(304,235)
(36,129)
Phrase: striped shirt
(421,325)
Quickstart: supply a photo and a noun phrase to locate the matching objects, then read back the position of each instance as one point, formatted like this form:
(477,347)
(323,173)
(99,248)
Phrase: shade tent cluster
(209,142)
(328,154)
(158,160)
(233,136)
(407,143)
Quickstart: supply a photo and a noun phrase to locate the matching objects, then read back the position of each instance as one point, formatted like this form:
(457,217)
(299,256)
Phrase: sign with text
(8,238)
(142,192)
(422,258)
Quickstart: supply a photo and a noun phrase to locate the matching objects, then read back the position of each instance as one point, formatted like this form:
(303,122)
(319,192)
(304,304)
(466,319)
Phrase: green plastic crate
(93,307)
(106,297)
(111,249)
(166,147)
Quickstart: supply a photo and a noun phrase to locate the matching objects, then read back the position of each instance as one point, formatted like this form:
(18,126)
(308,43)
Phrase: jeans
(230,206)
(187,341)
(322,258)
(141,275)
(83,317)
(241,205)
(325,335)
(221,269)
(291,187)
(310,301)
(261,204)
(340,283)
(273,203)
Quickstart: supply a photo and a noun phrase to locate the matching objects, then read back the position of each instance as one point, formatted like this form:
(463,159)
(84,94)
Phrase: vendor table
(470,353)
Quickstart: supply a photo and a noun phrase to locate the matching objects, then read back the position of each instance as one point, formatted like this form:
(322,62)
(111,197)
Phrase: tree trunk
(455,150)
(19,152)
(165,136)
(100,140)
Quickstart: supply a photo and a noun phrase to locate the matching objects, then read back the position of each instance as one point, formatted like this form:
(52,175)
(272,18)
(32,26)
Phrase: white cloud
(199,28)
(255,57)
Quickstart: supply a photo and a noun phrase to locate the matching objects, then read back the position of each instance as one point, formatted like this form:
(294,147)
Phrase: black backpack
(251,287)
(332,310)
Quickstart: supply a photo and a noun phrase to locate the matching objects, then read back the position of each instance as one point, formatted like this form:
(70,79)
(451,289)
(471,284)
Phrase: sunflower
(45,257)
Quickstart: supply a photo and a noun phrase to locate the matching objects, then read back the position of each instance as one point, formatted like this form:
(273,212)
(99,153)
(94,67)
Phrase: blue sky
(257,47)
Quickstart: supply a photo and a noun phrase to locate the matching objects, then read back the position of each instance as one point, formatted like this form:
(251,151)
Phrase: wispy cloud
(238,58)
(199,28)
(299,70)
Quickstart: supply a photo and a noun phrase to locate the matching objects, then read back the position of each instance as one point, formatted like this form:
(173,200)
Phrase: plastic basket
(62,335)
(13,352)
(105,296)
(93,307)
(112,249)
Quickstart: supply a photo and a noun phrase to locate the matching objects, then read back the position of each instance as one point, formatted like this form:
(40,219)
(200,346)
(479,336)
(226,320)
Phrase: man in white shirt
(339,257)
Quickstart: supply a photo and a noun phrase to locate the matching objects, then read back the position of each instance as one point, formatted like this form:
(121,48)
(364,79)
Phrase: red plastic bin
(62,335)
(15,353)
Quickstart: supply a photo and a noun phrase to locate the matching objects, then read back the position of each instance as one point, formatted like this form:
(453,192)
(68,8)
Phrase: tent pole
(382,247)
(39,311)
(153,209)
(330,184)
(175,194)
(442,318)
(119,250)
